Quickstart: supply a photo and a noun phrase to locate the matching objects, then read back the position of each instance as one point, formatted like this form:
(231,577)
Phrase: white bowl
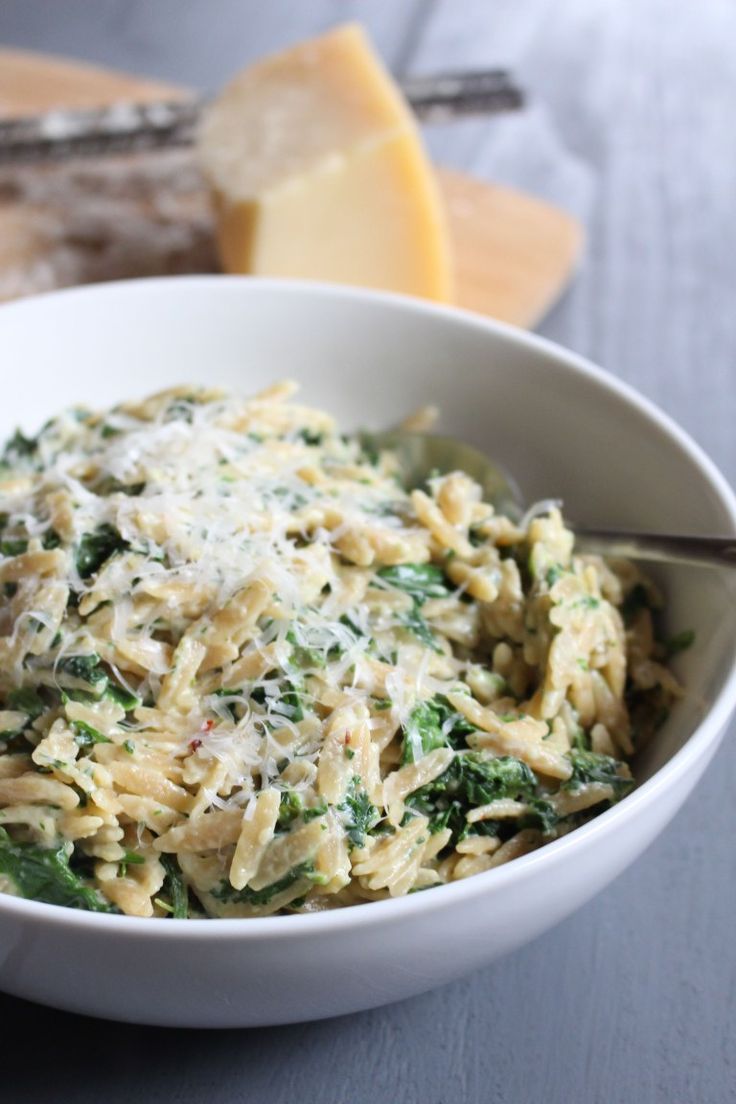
(565,429)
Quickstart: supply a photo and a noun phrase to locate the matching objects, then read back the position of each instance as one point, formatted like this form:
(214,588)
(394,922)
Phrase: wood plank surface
(29,85)
(633,999)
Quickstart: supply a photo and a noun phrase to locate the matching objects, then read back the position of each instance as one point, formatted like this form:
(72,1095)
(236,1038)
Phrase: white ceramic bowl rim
(505,876)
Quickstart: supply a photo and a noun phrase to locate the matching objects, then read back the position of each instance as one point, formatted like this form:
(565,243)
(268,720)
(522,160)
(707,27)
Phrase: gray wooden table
(631,126)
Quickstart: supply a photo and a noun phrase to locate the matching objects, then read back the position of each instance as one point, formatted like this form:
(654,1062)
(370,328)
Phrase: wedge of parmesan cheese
(318,172)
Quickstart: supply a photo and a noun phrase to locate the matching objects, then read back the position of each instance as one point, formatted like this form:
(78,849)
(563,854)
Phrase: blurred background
(629,128)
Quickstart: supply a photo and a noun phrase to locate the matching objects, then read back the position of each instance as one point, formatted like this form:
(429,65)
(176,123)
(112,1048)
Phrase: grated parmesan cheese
(208,598)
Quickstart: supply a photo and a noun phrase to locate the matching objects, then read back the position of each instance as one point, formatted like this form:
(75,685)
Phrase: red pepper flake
(207,726)
(194,744)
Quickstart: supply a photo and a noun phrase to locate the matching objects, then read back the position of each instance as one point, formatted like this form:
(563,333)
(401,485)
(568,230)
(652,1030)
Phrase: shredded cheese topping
(243,669)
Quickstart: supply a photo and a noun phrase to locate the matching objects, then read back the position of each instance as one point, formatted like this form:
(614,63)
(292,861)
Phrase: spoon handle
(663,548)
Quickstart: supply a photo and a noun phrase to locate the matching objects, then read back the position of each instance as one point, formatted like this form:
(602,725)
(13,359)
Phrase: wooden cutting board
(148,214)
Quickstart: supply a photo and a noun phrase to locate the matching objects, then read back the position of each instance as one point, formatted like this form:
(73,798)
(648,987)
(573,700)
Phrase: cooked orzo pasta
(243,671)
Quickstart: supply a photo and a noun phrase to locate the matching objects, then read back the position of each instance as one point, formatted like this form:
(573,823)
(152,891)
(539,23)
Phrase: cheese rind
(318,171)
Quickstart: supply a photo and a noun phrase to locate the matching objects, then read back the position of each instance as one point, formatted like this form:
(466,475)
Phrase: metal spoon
(421,454)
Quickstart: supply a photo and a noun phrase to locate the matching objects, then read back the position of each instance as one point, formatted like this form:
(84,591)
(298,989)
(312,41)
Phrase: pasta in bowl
(246,672)
(562,426)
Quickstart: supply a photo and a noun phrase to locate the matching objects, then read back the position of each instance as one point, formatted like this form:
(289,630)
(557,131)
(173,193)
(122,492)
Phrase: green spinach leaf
(421,581)
(176,888)
(360,814)
(45,875)
(304,871)
(85,735)
(417,625)
(589,766)
(95,548)
(469,781)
